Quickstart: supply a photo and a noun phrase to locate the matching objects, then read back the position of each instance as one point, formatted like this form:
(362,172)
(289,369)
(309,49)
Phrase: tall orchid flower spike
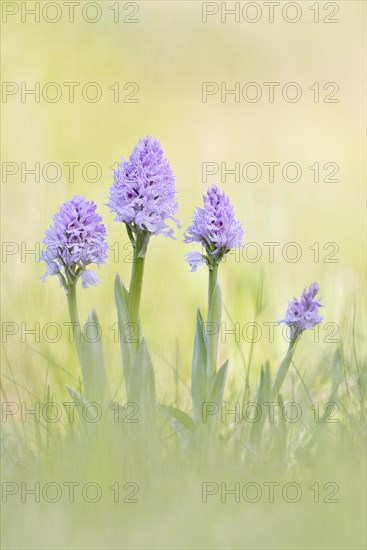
(214,226)
(74,241)
(143,196)
(301,315)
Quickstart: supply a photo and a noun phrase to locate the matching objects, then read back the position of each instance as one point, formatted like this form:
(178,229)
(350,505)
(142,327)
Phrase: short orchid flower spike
(75,240)
(215,227)
(304,313)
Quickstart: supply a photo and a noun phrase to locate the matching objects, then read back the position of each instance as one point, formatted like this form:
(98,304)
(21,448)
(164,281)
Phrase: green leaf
(91,358)
(216,394)
(283,369)
(261,390)
(180,422)
(213,329)
(256,427)
(267,392)
(78,400)
(76,397)
(198,369)
(263,396)
(181,417)
(141,384)
(338,373)
(136,361)
(219,382)
(281,440)
(123,317)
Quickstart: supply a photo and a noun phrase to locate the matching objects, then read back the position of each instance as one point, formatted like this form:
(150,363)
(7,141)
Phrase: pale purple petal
(89,278)
(194,259)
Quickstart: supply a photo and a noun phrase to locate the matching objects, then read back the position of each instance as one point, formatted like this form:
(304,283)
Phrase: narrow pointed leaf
(267,392)
(123,317)
(199,366)
(256,427)
(92,363)
(262,386)
(283,428)
(179,416)
(180,422)
(219,382)
(78,400)
(141,383)
(213,329)
(283,369)
(76,397)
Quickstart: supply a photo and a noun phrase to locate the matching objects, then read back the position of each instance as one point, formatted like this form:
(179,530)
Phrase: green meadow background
(169,53)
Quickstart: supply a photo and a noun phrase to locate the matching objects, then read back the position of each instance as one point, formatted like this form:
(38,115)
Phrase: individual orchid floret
(143,194)
(194,259)
(75,240)
(304,313)
(215,227)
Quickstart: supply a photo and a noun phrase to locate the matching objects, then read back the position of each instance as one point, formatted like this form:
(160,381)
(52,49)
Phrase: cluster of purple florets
(304,313)
(215,227)
(74,240)
(143,194)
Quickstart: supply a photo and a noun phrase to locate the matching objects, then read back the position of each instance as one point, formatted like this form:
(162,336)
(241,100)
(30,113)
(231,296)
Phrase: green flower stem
(74,317)
(283,368)
(257,428)
(213,276)
(137,273)
(213,329)
(136,285)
